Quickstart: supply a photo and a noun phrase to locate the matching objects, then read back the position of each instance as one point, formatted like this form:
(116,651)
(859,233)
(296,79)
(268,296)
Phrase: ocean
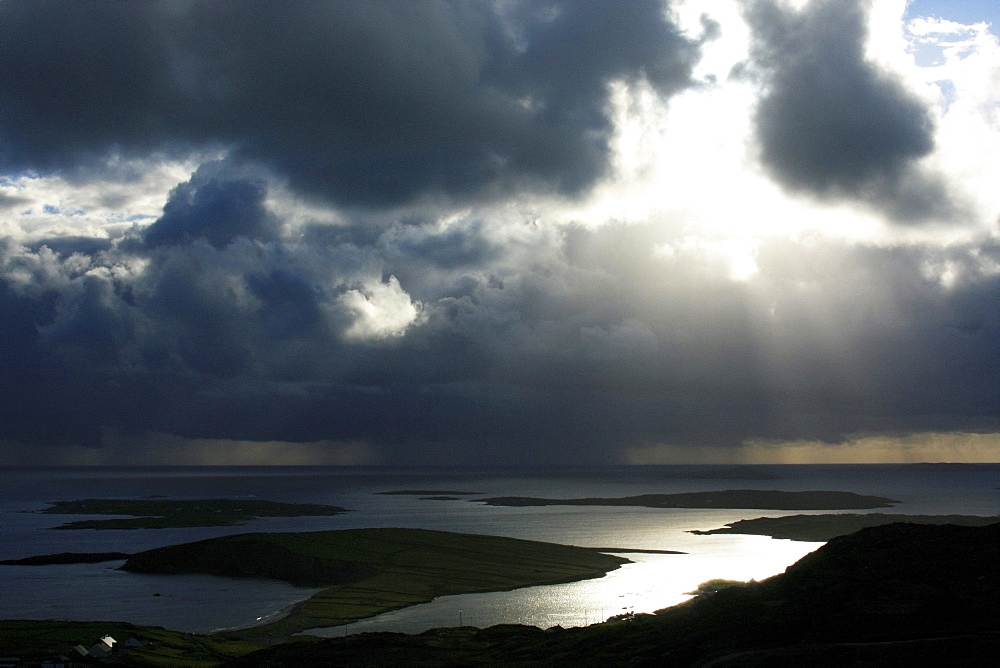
(205,603)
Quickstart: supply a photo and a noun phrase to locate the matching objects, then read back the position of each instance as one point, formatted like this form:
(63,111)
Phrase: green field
(365,572)
(370,571)
(36,641)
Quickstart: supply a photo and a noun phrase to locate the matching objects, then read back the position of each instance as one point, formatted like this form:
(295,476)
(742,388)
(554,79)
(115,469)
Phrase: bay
(206,603)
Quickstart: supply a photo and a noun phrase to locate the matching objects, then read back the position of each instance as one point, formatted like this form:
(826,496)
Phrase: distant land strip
(732,498)
(820,528)
(427,492)
(160,513)
(728,473)
(66,558)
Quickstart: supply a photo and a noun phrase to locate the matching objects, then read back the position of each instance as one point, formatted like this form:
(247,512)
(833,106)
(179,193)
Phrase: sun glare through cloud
(610,232)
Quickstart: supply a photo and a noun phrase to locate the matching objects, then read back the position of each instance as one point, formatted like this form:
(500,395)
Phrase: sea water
(204,603)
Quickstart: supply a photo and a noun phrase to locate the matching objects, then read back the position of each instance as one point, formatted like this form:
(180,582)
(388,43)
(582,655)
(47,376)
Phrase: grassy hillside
(36,641)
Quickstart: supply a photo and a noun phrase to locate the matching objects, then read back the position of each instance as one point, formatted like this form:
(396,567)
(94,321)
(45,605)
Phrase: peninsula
(820,528)
(366,572)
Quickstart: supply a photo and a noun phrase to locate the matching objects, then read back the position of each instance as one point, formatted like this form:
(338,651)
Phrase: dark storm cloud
(290,304)
(44,400)
(453,249)
(363,102)
(90,325)
(603,344)
(433,335)
(216,206)
(69,245)
(830,122)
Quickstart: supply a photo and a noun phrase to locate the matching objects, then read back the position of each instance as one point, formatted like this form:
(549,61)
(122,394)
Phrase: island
(731,498)
(161,513)
(819,528)
(366,572)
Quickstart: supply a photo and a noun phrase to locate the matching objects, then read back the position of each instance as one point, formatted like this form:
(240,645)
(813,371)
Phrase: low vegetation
(371,571)
(714,586)
(33,642)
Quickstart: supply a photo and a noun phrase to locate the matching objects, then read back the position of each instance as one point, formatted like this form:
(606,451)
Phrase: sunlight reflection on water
(653,582)
(204,603)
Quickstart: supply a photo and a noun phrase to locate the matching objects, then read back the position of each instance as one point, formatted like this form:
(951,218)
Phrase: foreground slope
(893,595)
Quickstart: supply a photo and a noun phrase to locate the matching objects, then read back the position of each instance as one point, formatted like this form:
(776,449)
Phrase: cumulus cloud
(371,235)
(381,310)
(830,122)
(365,103)
(12,201)
(606,341)
(214,206)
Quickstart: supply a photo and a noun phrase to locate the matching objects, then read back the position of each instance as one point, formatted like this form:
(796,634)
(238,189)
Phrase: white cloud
(101,205)
(967,88)
(380,310)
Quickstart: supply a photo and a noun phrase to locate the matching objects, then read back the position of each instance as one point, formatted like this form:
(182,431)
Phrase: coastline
(81,592)
(283,612)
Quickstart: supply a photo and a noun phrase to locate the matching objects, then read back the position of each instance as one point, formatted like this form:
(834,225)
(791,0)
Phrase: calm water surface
(205,603)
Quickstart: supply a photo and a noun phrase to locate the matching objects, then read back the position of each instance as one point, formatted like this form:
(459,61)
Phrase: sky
(504,232)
